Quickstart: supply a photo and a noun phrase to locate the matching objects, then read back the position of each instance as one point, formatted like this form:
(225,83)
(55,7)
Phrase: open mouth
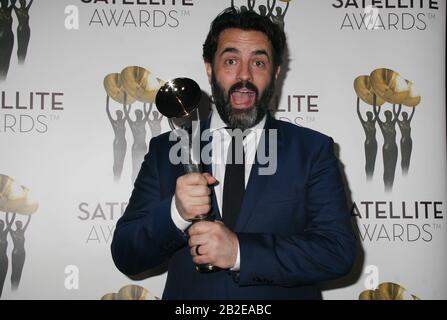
(243,98)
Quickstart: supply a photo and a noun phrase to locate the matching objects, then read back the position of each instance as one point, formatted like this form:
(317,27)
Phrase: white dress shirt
(220,143)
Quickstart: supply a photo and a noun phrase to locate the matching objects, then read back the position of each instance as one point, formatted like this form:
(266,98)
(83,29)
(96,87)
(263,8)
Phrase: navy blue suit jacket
(294,227)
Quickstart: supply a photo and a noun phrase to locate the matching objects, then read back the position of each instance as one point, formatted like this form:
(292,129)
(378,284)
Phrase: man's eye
(259,63)
(230,61)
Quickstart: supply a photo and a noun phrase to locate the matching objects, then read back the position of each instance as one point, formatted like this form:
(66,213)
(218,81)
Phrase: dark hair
(245,20)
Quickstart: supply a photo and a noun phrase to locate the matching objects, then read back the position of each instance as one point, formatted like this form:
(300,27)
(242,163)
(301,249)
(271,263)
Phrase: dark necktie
(234,183)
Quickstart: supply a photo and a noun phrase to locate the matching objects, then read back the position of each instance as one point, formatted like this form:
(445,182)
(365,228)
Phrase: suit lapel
(256,183)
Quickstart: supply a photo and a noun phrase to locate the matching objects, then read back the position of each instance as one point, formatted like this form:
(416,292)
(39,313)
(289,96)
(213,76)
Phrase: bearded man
(275,235)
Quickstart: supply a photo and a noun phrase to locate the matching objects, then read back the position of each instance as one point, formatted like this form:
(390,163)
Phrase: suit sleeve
(145,236)
(326,248)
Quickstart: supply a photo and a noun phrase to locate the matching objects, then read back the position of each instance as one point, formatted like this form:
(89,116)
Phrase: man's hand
(192,194)
(218,245)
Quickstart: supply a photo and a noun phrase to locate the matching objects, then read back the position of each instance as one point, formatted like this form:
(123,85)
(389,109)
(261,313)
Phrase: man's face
(242,76)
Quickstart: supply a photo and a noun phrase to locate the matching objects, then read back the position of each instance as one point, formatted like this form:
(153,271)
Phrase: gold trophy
(178,100)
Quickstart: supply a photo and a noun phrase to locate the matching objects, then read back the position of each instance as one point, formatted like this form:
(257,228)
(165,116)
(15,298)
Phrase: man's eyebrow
(229,49)
(255,53)
(261,52)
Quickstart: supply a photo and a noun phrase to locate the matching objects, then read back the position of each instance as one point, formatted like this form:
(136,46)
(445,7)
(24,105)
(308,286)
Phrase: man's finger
(202,259)
(199,250)
(209,178)
(196,178)
(200,227)
(198,239)
(199,201)
(193,178)
(199,191)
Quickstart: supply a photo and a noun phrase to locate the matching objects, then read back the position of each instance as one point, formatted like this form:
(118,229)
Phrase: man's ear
(277,72)
(209,70)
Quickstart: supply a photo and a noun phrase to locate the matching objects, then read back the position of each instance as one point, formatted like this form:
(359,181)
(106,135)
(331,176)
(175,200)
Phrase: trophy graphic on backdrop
(15,199)
(362,86)
(267,9)
(6,37)
(7,34)
(23,29)
(385,85)
(132,84)
(130,292)
(138,84)
(115,90)
(178,100)
(388,291)
(155,122)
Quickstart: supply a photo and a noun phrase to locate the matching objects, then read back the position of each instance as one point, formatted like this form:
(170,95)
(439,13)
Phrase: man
(277,237)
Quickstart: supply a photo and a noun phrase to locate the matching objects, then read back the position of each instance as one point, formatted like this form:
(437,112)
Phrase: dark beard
(242,119)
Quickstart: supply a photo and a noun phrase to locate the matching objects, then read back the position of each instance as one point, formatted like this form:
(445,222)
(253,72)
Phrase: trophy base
(207,268)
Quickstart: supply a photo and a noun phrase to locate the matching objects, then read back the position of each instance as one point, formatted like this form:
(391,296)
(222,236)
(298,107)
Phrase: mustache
(243,84)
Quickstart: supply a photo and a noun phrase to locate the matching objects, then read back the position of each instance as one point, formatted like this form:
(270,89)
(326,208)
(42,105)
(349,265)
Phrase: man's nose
(245,72)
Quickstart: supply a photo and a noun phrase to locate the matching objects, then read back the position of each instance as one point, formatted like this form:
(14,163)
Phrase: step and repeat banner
(70,150)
